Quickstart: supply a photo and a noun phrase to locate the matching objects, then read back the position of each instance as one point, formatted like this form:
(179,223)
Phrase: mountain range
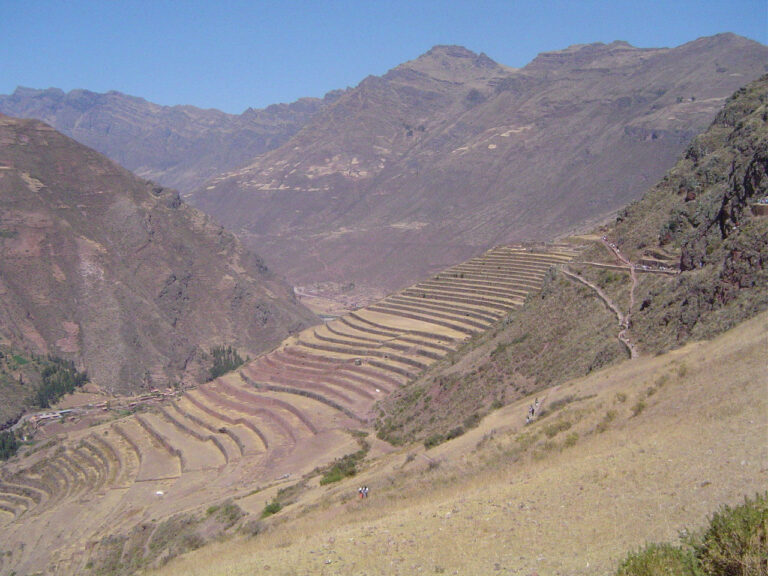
(431,163)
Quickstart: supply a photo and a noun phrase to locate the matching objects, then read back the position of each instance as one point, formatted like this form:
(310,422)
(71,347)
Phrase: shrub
(344,467)
(571,440)
(638,407)
(252,528)
(472,420)
(433,441)
(272,508)
(555,428)
(59,377)
(602,426)
(736,542)
(659,560)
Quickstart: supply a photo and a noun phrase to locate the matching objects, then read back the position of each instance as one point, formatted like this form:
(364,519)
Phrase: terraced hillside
(245,434)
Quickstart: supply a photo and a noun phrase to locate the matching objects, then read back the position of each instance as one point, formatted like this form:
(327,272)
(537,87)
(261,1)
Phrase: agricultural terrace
(247,433)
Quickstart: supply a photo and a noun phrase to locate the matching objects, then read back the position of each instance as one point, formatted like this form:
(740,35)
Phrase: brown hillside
(451,153)
(119,274)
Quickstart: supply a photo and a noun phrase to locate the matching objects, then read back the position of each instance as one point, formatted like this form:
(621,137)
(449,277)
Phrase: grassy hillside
(651,448)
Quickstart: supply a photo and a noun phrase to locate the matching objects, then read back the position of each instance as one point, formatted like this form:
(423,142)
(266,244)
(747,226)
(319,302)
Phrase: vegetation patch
(225,359)
(60,377)
(735,543)
(9,444)
(271,508)
(552,430)
(344,467)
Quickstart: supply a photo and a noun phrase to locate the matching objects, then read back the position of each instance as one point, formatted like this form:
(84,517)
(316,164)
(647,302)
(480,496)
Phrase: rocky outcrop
(703,210)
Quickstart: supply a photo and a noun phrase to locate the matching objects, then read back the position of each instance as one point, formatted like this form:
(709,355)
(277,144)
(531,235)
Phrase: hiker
(360,491)
(365,491)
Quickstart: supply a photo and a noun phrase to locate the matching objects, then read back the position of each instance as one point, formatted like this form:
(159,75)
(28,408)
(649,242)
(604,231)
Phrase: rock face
(119,274)
(701,211)
(451,153)
(177,146)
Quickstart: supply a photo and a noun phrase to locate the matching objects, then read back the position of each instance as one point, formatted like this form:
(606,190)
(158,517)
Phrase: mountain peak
(453,63)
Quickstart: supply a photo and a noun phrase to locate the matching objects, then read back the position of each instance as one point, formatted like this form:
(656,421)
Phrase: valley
(472,304)
(245,435)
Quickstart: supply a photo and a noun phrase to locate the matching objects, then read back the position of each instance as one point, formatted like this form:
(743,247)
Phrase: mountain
(451,153)
(698,240)
(177,146)
(119,274)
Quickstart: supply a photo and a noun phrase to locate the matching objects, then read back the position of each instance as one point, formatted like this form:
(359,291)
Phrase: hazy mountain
(177,146)
(451,153)
(102,267)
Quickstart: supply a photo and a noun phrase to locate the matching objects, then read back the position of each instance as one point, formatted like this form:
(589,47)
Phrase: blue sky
(232,55)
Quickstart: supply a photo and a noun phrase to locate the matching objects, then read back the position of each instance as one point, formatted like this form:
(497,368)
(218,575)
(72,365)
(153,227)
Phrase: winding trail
(623,320)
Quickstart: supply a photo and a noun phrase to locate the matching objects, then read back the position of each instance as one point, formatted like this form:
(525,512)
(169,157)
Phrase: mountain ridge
(179,146)
(410,160)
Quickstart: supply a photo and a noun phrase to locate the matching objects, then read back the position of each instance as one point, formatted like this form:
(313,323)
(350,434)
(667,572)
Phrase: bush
(659,560)
(272,508)
(344,467)
(736,543)
(638,407)
(433,441)
(60,377)
(552,430)
(571,440)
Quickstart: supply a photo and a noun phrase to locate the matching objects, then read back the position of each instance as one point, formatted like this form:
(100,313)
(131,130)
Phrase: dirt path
(623,320)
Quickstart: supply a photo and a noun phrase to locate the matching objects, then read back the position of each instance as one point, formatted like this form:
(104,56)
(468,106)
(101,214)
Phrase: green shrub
(344,467)
(602,426)
(638,407)
(433,441)
(472,420)
(736,542)
(571,440)
(659,560)
(272,508)
(60,377)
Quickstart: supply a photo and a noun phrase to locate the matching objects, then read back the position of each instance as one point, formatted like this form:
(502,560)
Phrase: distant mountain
(118,274)
(177,146)
(451,153)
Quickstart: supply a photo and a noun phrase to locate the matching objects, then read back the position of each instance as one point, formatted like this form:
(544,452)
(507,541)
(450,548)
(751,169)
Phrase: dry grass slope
(513,499)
